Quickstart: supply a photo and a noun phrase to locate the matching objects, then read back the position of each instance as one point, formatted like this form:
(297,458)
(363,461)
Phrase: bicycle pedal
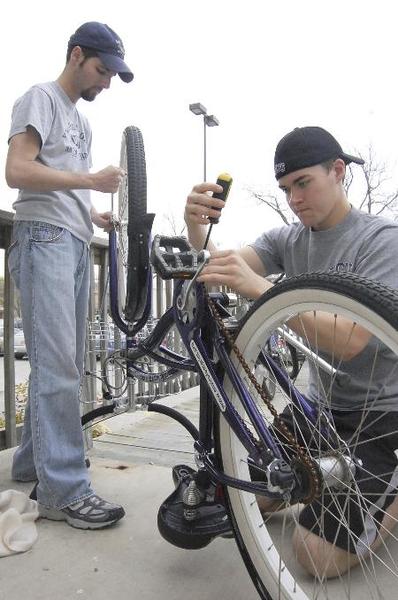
(212,520)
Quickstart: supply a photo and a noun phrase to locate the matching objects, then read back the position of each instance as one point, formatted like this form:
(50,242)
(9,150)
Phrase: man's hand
(108,180)
(102,220)
(228,267)
(200,204)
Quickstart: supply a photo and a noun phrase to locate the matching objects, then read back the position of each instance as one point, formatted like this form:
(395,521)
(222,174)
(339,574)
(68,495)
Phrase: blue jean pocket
(45,232)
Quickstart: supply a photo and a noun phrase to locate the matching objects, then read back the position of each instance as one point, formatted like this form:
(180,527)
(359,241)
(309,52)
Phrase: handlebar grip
(225,180)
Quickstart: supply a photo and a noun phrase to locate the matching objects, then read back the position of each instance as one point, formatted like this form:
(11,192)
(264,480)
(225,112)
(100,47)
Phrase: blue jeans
(51,269)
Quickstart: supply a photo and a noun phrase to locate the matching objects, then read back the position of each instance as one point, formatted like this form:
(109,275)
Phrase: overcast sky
(262,67)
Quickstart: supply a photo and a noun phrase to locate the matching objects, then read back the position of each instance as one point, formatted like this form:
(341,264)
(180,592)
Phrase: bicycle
(290,451)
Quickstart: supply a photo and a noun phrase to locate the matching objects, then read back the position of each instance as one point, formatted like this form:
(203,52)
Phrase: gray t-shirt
(363,244)
(66,145)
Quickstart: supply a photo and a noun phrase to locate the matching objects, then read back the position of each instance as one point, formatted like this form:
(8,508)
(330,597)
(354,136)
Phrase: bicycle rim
(266,540)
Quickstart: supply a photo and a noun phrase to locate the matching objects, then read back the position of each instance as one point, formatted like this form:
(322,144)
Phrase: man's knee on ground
(318,556)
(267,505)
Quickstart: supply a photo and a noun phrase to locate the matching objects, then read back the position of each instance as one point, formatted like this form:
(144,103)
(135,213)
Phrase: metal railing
(104,340)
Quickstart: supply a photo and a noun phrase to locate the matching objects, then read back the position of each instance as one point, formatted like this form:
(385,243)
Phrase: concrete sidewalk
(130,465)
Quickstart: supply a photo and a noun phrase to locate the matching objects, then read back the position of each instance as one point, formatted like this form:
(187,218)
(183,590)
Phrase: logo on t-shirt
(344,266)
(75,141)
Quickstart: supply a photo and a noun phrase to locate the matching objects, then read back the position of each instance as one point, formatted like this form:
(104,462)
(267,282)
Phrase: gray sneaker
(91,513)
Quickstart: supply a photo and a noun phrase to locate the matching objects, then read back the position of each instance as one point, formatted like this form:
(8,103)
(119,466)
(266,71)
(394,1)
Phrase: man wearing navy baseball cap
(329,236)
(107,44)
(49,162)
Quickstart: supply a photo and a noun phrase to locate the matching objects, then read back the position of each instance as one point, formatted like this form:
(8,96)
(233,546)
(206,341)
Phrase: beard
(90,94)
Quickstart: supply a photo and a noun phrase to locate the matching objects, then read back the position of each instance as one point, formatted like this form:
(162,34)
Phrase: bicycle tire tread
(376,296)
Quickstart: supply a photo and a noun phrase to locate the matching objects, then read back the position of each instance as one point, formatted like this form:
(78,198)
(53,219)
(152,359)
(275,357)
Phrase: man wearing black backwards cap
(49,161)
(330,236)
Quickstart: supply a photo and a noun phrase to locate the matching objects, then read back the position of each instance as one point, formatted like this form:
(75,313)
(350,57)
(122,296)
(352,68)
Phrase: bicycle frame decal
(207,375)
(152,377)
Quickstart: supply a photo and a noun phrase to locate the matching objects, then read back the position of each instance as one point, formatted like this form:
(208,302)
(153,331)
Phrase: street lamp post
(208,121)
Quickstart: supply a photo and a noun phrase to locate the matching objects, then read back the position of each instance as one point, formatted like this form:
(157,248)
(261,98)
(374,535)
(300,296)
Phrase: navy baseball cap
(306,147)
(109,47)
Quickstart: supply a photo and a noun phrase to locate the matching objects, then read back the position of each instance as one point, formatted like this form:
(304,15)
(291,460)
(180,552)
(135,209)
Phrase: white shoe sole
(53,514)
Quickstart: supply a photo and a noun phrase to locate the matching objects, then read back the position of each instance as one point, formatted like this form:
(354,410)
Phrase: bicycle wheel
(351,519)
(132,226)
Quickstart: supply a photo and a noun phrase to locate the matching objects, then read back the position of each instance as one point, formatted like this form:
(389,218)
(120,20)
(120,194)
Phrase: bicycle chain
(306,460)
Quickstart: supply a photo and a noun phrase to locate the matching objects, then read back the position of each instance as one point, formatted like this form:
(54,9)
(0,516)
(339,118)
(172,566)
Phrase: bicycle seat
(173,257)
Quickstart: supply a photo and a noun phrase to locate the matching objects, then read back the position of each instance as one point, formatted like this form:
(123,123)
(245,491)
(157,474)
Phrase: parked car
(19,344)
(19,340)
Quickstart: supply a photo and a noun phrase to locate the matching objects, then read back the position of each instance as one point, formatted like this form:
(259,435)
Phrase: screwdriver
(225,181)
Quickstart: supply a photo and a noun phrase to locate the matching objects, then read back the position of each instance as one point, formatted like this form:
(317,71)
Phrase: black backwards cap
(306,147)
(109,47)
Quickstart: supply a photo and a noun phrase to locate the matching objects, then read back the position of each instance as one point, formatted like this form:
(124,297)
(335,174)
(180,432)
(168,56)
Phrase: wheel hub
(337,471)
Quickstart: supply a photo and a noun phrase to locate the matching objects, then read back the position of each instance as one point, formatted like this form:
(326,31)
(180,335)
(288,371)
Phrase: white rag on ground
(18,530)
